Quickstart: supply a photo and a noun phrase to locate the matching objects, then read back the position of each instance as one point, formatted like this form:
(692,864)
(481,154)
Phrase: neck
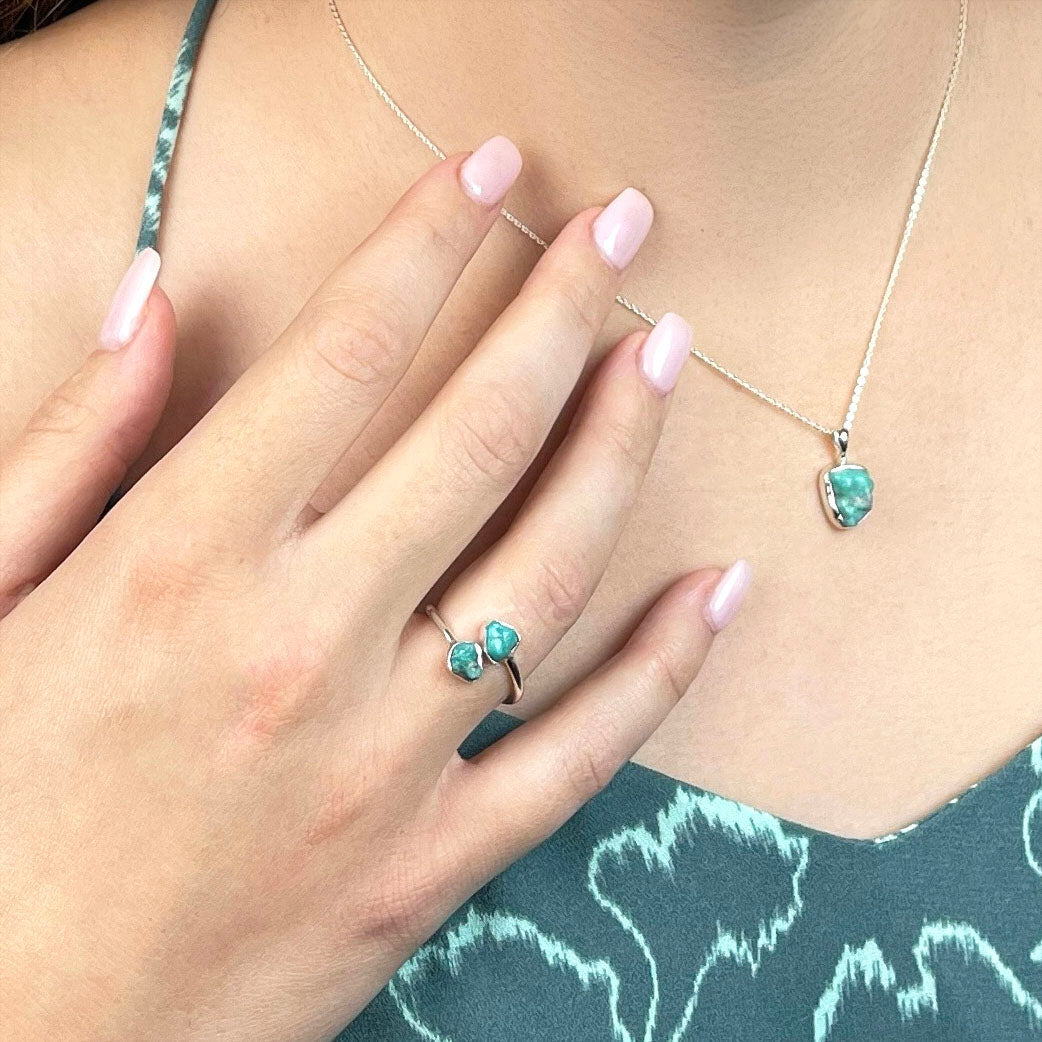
(750,98)
(779,142)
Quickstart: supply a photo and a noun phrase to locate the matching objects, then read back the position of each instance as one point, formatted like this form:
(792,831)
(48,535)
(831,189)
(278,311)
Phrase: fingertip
(128,307)
(694,608)
(728,595)
(622,226)
(488,173)
(158,322)
(143,370)
(696,588)
(131,384)
(664,352)
(684,600)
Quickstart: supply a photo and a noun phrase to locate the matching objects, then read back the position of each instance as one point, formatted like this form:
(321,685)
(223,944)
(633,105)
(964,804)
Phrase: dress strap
(171,121)
(173,110)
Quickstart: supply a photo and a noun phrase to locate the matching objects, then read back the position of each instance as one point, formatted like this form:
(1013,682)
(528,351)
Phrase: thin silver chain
(836,433)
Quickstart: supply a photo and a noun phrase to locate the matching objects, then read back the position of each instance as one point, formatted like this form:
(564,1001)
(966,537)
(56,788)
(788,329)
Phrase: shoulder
(274,177)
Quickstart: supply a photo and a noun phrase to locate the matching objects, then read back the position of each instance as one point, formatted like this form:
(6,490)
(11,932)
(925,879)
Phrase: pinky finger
(545,770)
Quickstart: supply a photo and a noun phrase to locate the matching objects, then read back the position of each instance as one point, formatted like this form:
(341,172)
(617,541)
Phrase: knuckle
(437,233)
(405,906)
(164,580)
(626,440)
(410,895)
(170,572)
(281,687)
(64,412)
(342,798)
(664,674)
(588,762)
(576,303)
(496,439)
(560,589)
(353,350)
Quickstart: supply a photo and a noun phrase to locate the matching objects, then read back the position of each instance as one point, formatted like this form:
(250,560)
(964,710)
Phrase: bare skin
(874,674)
(228,748)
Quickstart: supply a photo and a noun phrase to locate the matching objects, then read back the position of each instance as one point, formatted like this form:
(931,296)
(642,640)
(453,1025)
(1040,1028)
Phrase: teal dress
(665,913)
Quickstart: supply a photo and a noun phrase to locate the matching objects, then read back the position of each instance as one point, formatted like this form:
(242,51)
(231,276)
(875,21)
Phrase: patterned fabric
(170,124)
(664,913)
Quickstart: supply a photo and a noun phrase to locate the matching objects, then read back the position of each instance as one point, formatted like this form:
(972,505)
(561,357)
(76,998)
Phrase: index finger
(308,397)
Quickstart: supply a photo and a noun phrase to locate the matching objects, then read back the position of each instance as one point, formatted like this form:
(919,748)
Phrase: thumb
(59,474)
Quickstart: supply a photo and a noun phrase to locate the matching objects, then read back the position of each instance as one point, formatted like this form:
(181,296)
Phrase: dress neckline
(1031,754)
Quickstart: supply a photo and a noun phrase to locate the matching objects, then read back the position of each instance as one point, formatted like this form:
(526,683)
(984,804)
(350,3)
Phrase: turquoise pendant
(846,492)
(500,640)
(846,489)
(465,660)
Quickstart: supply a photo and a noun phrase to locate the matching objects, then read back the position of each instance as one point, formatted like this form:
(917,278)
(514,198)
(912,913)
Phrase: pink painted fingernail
(489,171)
(622,226)
(128,305)
(664,352)
(728,595)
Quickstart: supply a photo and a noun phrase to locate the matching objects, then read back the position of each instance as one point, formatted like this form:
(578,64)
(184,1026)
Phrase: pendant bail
(841,438)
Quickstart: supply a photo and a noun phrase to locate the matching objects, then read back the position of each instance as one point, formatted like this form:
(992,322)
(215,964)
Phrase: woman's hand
(230,798)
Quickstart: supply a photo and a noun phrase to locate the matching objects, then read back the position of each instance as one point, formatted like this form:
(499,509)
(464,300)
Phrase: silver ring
(466,658)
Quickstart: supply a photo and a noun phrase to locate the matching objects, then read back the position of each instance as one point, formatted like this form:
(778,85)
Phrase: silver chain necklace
(846,488)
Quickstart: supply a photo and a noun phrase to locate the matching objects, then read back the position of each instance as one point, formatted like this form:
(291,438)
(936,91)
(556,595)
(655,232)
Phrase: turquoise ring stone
(846,493)
(465,660)
(500,639)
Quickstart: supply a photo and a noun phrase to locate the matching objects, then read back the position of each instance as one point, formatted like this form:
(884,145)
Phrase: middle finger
(420,506)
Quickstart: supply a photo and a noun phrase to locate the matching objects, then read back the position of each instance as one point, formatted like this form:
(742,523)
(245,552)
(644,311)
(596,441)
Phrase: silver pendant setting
(847,489)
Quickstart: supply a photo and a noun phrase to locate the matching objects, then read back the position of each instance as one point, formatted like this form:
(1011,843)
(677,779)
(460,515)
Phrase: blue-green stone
(500,640)
(465,659)
(852,487)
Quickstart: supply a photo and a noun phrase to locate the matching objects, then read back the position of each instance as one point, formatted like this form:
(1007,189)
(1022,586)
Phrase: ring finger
(539,577)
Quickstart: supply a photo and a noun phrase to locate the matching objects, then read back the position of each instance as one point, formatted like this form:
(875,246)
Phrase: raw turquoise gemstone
(500,640)
(465,659)
(852,487)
